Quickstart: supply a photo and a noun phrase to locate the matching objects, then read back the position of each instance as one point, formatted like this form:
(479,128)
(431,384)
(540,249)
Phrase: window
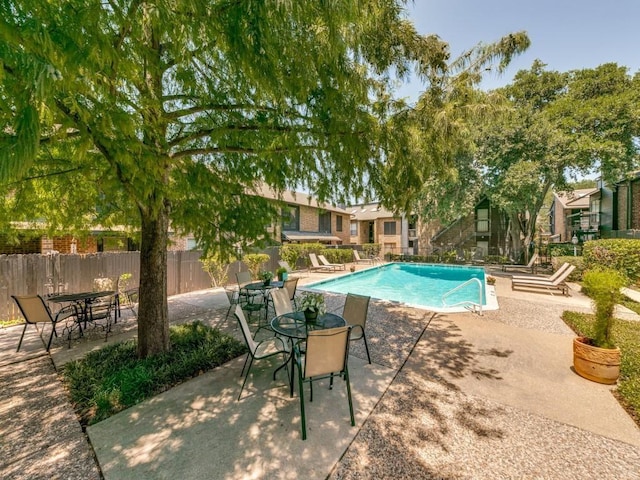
(354,229)
(291,218)
(389,228)
(338,223)
(482,220)
(324,222)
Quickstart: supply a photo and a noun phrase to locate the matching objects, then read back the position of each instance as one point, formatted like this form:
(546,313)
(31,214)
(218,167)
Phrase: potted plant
(491,280)
(266,276)
(352,268)
(312,304)
(597,358)
(282,274)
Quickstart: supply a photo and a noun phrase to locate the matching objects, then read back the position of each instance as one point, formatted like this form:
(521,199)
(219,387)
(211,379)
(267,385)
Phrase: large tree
(150,113)
(558,127)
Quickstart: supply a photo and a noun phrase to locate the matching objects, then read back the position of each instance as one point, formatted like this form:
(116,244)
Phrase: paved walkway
(469,397)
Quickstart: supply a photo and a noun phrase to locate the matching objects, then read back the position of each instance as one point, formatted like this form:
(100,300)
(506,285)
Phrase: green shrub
(603,286)
(255,261)
(111,379)
(338,255)
(290,253)
(371,249)
(563,249)
(217,268)
(619,254)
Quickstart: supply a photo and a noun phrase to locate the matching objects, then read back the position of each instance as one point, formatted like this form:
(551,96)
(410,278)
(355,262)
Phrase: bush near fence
(578,262)
(620,254)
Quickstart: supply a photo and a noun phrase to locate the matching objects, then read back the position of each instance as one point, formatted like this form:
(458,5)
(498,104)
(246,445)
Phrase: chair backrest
(243,278)
(323,259)
(355,310)
(314,260)
(532,260)
(290,286)
(284,264)
(246,333)
(281,302)
(561,278)
(356,255)
(560,271)
(327,351)
(33,308)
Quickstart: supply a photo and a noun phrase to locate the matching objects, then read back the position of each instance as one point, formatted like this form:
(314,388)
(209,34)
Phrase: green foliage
(291,252)
(217,267)
(265,275)
(111,379)
(254,261)
(564,249)
(312,301)
(371,249)
(619,254)
(337,255)
(626,335)
(603,286)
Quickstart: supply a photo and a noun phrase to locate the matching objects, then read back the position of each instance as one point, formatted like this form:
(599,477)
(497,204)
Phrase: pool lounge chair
(550,278)
(324,261)
(284,264)
(531,266)
(316,267)
(557,285)
(359,259)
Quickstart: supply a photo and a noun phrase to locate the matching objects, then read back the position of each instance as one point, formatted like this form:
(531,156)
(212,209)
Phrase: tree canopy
(157,113)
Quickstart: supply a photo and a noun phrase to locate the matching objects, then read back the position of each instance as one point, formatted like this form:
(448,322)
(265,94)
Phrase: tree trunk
(153,314)
(516,241)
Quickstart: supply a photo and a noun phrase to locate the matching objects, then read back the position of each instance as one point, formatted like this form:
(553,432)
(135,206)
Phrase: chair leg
(346,376)
(53,330)
(366,346)
(21,337)
(245,378)
(303,420)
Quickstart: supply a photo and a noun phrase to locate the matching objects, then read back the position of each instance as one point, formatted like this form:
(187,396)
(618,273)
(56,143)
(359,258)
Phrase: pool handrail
(455,289)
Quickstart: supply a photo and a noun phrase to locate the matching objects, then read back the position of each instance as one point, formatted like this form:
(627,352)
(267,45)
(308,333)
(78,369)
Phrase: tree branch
(232,149)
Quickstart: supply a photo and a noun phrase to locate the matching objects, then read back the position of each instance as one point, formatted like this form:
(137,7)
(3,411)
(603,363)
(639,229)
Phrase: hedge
(620,254)
(578,262)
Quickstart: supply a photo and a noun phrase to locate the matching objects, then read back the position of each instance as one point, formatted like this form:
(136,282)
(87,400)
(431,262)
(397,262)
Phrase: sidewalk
(472,397)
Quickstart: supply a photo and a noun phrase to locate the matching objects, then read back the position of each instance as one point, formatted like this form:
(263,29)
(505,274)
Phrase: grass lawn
(626,335)
(111,379)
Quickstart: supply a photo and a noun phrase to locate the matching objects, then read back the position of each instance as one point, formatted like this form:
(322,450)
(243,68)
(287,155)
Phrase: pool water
(420,285)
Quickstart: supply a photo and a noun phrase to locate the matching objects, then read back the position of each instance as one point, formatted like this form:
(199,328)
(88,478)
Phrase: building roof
(578,198)
(298,198)
(369,211)
(296,236)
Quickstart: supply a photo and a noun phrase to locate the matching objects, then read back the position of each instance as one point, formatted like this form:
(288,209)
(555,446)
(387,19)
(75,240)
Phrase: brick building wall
(622,192)
(308,219)
(344,234)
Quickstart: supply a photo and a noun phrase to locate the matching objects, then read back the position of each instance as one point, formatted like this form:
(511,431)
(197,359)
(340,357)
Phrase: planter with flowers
(490,280)
(312,304)
(266,277)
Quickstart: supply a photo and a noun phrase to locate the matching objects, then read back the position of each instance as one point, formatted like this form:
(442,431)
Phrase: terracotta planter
(600,365)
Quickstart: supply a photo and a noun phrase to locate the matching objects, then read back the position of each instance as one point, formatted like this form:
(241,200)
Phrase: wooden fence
(46,274)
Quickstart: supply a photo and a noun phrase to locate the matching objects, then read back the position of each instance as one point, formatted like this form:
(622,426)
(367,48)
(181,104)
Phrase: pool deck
(447,396)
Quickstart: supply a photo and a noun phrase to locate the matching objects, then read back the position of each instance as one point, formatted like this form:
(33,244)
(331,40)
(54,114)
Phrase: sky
(565,34)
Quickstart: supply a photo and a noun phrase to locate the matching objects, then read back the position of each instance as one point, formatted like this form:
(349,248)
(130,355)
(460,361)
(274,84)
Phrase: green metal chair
(355,312)
(326,355)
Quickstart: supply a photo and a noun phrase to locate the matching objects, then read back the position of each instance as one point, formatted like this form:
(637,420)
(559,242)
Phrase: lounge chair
(284,264)
(529,266)
(557,285)
(324,261)
(359,259)
(550,278)
(315,265)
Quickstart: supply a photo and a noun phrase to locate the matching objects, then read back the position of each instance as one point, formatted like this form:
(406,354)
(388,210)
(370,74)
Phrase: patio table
(295,327)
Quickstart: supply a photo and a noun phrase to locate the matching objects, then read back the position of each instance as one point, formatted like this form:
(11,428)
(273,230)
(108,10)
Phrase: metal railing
(476,306)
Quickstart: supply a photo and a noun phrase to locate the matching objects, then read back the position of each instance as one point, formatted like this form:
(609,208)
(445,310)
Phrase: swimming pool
(415,284)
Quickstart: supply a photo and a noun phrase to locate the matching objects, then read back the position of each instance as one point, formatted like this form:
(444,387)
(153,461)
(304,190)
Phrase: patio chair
(290,286)
(326,355)
(103,310)
(35,310)
(551,277)
(550,286)
(259,350)
(358,259)
(529,266)
(284,264)
(129,300)
(281,302)
(315,265)
(324,261)
(355,312)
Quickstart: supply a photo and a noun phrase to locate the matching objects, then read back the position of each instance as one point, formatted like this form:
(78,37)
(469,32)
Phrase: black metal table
(256,288)
(296,328)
